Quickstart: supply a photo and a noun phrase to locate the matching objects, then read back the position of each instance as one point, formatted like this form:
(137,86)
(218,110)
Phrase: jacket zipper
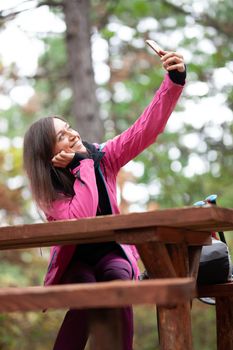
(112,213)
(78,176)
(51,261)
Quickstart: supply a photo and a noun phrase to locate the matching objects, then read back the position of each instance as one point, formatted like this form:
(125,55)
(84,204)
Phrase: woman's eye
(61,136)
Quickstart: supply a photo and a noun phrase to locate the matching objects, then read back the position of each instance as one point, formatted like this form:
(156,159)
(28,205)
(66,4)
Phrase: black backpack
(215,261)
(215,264)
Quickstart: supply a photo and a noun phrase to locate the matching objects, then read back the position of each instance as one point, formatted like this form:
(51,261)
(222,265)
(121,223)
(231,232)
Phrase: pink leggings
(73,333)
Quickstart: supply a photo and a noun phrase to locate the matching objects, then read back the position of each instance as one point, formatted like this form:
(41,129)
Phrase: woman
(71,179)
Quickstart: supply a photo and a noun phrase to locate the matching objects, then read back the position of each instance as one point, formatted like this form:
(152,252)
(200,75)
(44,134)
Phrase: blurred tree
(78,35)
(202,35)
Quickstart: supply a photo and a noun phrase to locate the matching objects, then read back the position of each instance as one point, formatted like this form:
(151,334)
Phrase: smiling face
(67,139)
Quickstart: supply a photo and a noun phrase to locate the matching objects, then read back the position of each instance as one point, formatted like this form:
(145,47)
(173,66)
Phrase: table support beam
(156,260)
(174,322)
(174,326)
(224,317)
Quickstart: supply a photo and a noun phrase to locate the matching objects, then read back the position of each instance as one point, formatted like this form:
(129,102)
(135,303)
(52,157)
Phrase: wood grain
(175,323)
(156,260)
(125,227)
(224,317)
(97,295)
(215,290)
(175,327)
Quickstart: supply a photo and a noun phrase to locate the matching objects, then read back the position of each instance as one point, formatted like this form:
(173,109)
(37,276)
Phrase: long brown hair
(47,182)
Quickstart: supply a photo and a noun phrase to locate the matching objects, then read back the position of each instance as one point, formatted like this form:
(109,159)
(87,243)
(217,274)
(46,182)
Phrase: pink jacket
(118,151)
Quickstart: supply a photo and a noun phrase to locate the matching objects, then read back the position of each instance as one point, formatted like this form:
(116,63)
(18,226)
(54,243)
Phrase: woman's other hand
(172,61)
(62,159)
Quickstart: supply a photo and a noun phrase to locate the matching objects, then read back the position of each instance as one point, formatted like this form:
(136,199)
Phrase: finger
(179,66)
(171,54)
(162,53)
(176,59)
(172,61)
(66,155)
(59,160)
(62,159)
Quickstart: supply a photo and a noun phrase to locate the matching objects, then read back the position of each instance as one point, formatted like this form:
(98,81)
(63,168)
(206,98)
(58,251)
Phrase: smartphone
(155,47)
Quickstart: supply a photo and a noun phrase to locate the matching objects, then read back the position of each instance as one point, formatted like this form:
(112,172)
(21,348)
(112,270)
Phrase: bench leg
(105,329)
(224,322)
(174,323)
(174,326)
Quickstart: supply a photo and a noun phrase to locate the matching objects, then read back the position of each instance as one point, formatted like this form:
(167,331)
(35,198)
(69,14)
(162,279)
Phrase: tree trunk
(85,106)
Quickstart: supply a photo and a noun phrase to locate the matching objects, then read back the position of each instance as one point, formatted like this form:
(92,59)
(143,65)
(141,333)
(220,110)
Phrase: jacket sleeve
(85,200)
(147,127)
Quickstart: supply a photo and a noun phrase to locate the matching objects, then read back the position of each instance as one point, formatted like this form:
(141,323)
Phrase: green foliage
(25,329)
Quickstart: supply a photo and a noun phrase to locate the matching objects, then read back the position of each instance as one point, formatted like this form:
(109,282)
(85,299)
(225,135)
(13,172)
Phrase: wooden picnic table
(169,242)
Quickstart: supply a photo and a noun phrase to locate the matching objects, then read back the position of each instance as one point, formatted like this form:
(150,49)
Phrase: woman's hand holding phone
(170,60)
(173,61)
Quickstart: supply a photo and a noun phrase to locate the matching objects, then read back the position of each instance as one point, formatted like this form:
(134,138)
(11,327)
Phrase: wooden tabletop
(164,225)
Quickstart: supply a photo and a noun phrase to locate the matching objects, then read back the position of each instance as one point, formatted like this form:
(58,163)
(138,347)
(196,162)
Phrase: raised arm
(147,127)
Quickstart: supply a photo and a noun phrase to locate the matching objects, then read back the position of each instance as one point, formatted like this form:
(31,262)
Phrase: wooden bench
(169,242)
(102,300)
(165,292)
(223,294)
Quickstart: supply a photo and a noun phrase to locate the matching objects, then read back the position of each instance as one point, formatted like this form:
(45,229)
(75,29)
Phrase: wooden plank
(194,260)
(162,234)
(212,218)
(103,229)
(106,329)
(224,318)
(129,236)
(96,295)
(156,260)
(215,290)
(179,257)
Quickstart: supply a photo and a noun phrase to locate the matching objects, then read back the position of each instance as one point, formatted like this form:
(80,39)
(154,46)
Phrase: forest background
(87,60)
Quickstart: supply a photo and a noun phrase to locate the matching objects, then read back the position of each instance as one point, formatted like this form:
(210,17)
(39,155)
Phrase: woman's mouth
(75,145)
(78,146)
